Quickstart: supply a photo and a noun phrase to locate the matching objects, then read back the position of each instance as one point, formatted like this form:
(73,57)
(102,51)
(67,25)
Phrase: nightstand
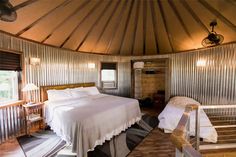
(33,114)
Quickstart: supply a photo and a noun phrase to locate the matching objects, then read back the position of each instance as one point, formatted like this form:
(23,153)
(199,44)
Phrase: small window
(8,86)
(10,65)
(109,75)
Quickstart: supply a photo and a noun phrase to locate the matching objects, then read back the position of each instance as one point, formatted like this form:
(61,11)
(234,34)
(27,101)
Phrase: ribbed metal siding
(60,66)
(214,83)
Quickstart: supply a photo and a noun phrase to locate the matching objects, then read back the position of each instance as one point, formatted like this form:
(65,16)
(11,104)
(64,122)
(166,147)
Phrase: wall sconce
(91,65)
(138,65)
(201,63)
(34,61)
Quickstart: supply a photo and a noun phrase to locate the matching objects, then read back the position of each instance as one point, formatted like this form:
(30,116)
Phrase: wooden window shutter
(10,61)
(108,66)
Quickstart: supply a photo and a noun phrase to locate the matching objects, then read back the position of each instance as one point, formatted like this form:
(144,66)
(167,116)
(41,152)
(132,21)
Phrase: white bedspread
(174,110)
(89,121)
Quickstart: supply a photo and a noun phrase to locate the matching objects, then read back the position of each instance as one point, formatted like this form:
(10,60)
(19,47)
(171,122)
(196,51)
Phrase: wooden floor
(156,144)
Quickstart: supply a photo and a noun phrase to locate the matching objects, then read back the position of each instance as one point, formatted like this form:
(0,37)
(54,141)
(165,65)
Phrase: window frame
(116,77)
(20,75)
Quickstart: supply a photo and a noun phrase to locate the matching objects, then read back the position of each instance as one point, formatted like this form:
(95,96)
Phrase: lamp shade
(30,87)
(138,65)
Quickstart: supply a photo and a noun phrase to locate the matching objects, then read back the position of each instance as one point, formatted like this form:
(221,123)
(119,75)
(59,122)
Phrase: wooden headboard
(43,89)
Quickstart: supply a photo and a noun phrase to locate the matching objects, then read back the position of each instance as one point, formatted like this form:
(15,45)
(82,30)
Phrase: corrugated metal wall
(214,83)
(60,66)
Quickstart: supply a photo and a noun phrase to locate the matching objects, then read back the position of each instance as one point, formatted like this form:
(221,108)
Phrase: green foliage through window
(8,86)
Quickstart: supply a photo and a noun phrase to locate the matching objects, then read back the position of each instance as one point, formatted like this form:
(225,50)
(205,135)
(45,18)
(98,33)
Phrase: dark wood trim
(117,24)
(195,17)
(105,26)
(218,14)
(166,27)
(95,24)
(135,26)
(38,20)
(78,25)
(232,2)
(154,24)
(66,19)
(144,25)
(180,19)
(126,26)
(23,4)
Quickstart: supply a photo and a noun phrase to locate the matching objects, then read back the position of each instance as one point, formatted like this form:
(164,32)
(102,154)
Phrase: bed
(174,110)
(86,118)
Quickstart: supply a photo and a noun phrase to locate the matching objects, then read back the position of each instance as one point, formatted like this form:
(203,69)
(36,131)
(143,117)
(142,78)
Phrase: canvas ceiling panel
(99,28)
(28,14)
(150,34)
(227,9)
(43,28)
(196,31)
(17,2)
(139,40)
(64,31)
(109,33)
(80,34)
(115,45)
(179,37)
(163,41)
(127,42)
(207,16)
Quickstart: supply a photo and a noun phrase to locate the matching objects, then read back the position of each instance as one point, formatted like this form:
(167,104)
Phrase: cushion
(91,90)
(58,94)
(79,94)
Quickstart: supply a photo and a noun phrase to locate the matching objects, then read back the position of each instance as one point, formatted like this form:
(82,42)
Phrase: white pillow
(79,94)
(58,94)
(182,101)
(91,90)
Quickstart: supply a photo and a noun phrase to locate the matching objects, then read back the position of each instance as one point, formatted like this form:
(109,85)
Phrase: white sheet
(89,121)
(174,110)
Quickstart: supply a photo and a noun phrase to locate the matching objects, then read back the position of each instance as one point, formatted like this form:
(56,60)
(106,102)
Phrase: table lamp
(29,88)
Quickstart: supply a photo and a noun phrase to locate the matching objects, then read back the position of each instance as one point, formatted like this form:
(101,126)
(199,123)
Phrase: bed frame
(43,89)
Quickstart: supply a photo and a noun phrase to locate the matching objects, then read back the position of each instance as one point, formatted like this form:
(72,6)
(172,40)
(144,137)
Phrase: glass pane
(8,86)
(108,75)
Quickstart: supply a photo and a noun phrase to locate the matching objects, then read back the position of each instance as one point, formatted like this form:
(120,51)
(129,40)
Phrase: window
(8,86)
(9,67)
(109,75)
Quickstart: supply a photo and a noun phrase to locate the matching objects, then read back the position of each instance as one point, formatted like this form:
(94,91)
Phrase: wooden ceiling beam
(66,19)
(23,4)
(180,20)
(95,24)
(105,26)
(135,26)
(232,2)
(218,14)
(117,24)
(126,26)
(154,22)
(38,20)
(195,17)
(144,25)
(78,25)
(166,27)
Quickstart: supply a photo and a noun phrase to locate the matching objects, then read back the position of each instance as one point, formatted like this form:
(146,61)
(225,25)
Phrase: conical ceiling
(122,27)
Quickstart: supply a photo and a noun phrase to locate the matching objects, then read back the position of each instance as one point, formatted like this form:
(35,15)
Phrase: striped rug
(41,144)
(46,143)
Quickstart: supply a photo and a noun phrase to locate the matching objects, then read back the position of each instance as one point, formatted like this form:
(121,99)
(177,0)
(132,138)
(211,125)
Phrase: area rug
(41,144)
(47,144)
